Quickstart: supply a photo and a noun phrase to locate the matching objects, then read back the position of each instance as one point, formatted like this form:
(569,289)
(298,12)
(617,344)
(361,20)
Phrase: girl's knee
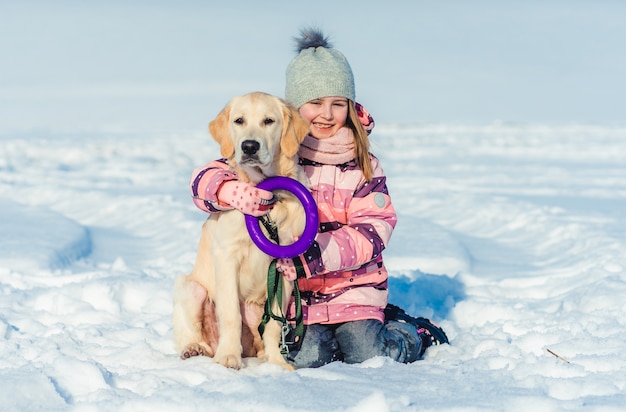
(361,340)
(318,348)
(404,344)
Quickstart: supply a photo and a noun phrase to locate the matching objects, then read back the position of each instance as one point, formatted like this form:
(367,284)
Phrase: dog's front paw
(195,349)
(277,359)
(230,360)
(288,366)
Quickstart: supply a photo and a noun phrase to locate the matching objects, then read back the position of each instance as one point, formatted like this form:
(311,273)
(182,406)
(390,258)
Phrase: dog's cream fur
(218,306)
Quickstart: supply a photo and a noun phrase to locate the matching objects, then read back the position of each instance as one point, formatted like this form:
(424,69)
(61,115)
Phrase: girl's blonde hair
(361,143)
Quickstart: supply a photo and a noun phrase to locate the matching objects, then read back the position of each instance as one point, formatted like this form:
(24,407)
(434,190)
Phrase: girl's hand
(286,267)
(246,197)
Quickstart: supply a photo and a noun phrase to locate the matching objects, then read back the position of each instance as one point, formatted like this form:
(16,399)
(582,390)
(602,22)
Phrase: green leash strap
(275,292)
(299,319)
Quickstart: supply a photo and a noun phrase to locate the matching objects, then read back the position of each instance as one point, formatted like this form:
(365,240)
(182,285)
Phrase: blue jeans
(355,342)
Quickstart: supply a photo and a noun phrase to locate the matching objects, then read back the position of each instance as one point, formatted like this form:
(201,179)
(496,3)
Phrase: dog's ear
(294,131)
(218,128)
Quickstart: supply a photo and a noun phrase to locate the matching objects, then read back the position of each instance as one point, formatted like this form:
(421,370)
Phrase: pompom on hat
(317,71)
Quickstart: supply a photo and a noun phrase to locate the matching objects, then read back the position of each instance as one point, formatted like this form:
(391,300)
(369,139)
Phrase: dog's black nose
(250,147)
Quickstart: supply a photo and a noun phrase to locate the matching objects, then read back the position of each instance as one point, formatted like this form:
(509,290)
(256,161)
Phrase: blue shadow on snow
(422,294)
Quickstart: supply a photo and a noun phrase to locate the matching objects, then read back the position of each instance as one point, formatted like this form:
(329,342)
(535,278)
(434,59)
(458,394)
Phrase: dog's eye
(268,121)
(239,121)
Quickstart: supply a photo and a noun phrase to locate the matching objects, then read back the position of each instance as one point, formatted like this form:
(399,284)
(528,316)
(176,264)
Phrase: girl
(344,291)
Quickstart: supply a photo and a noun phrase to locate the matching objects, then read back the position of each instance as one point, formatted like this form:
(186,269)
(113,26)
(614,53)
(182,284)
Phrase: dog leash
(275,293)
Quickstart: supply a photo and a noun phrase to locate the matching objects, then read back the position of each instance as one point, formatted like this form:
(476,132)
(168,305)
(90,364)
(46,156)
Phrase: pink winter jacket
(346,277)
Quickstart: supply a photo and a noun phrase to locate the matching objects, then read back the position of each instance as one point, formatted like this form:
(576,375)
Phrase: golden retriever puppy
(218,306)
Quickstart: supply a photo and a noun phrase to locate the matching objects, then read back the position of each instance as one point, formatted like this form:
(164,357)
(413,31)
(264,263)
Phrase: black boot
(429,332)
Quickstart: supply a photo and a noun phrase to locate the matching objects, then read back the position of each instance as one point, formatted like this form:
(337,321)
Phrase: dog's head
(260,135)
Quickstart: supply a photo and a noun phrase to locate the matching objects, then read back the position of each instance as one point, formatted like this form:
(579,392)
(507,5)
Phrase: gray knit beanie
(317,71)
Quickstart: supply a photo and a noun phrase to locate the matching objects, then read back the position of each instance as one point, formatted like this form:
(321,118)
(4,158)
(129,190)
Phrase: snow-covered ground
(511,237)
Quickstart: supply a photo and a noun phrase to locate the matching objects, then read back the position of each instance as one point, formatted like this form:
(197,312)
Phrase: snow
(510,235)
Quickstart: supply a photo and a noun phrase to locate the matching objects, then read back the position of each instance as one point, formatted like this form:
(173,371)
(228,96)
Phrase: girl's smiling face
(325,115)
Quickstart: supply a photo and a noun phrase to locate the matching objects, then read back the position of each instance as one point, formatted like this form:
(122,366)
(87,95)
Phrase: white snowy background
(500,126)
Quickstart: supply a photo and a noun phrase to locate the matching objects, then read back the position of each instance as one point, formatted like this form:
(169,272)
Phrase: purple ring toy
(310,228)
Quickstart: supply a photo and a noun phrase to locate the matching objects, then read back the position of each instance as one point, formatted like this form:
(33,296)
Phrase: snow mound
(33,238)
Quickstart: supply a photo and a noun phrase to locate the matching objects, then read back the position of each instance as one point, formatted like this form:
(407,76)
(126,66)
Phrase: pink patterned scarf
(335,150)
